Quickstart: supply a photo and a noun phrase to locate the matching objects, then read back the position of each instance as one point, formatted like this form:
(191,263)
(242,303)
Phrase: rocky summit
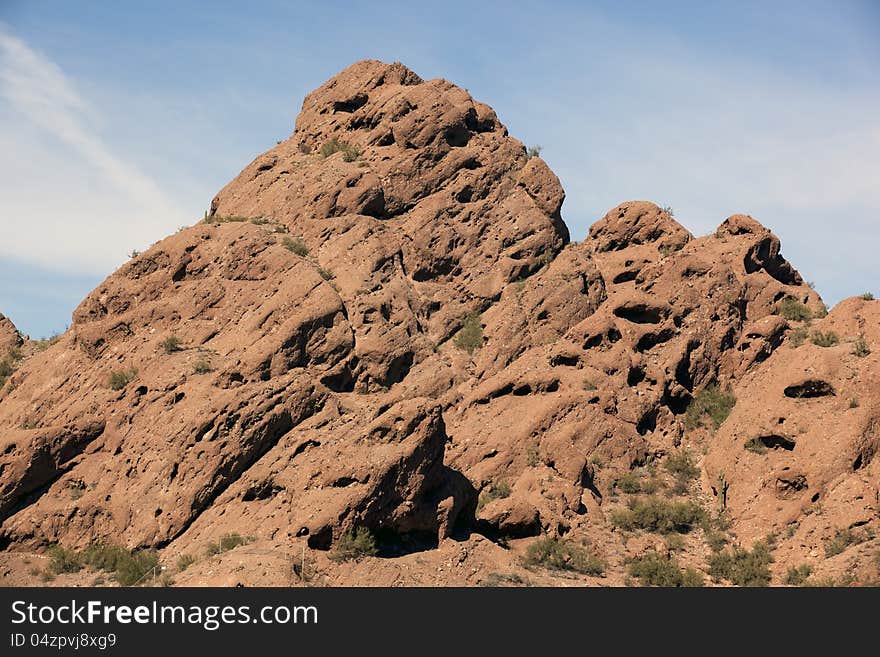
(380,360)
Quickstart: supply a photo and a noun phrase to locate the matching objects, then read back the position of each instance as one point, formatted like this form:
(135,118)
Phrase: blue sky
(120,121)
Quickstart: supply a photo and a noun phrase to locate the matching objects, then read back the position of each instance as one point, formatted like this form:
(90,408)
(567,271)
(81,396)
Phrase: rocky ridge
(382,323)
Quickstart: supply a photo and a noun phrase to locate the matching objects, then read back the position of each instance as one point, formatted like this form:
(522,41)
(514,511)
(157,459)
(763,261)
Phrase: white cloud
(66,199)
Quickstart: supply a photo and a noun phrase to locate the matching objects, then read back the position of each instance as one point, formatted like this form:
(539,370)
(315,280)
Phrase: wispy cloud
(44,103)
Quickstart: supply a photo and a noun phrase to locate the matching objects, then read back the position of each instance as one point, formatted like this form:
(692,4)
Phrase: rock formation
(382,324)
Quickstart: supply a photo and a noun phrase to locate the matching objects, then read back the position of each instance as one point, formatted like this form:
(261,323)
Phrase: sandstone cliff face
(382,320)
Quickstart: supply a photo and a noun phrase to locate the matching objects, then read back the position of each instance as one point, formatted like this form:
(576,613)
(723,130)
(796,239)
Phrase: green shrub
(295,245)
(121,378)
(680,464)
(867,296)
(170,344)
(654,514)
(349,152)
(755,446)
(861,348)
(553,554)
(495,491)
(62,560)
(6,370)
(470,337)
(533,454)
(798,575)
(828,339)
(794,310)
(742,567)
(355,544)
(534,151)
(629,483)
(184,561)
(202,366)
(713,402)
(227,542)
(654,569)
(842,539)
(799,336)
(326,274)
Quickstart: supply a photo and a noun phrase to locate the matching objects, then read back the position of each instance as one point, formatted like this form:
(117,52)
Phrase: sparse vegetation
(844,538)
(553,554)
(629,482)
(130,567)
(680,464)
(534,151)
(867,296)
(798,336)
(184,561)
(326,274)
(170,344)
(742,567)
(349,152)
(711,402)
(853,403)
(654,514)
(202,366)
(861,348)
(821,339)
(227,542)
(589,384)
(793,310)
(355,544)
(120,378)
(798,575)
(755,446)
(470,337)
(295,245)
(654,569)
(496,491)
(533,454)
(668,210)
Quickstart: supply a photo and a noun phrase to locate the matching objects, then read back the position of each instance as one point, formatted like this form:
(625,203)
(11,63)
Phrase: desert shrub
(755,446)
(553,554)
(742,567)
(654,569)
(121,378)
(227,542)
(470,337)
(533,454)
(45,343)
(861,348)
(798,336)
(62,560)
(794,310)
(136,567)
(589,384)
(534,151)
(680,464)
(798,575)
(355,544)
(6,370)
(715,539)
(654,514)
(202,366)
(629,483)
(711,402)
(867,296)
(496,491)
(295,245)
(675,542)
(842,539)
(668,210)
(853,403)
(184,561)
(170,344)
(821,339)
(349,152)
(326,274)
